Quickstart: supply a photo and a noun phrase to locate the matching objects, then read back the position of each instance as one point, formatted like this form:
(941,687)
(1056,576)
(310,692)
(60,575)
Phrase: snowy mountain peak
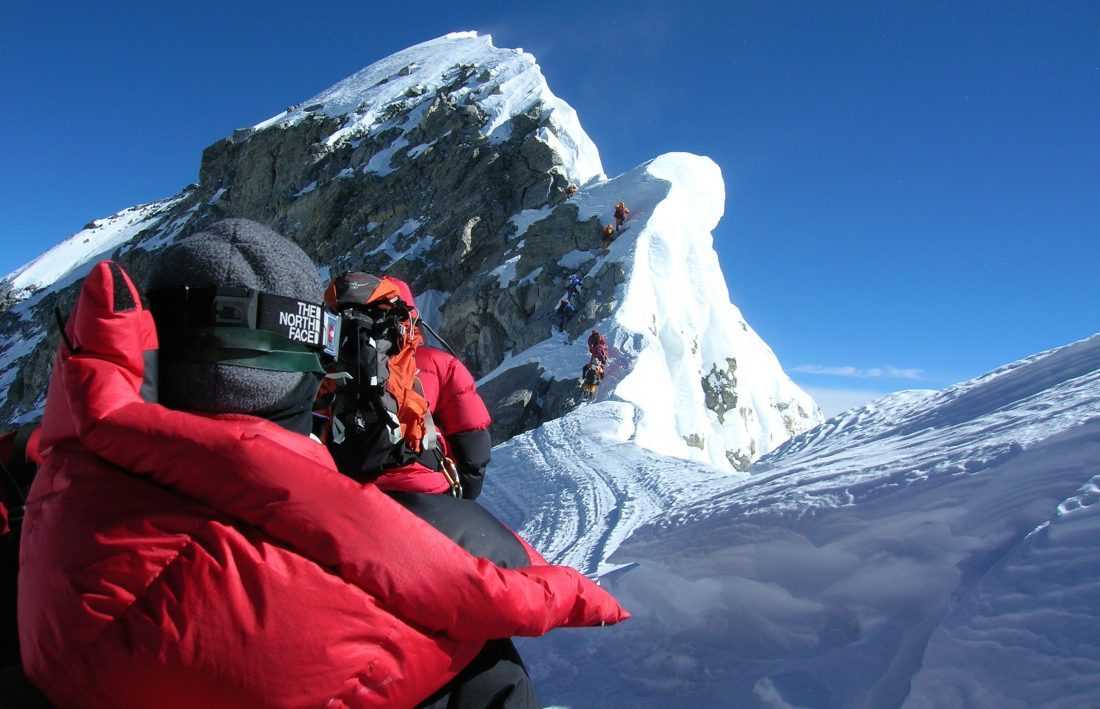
(500,84)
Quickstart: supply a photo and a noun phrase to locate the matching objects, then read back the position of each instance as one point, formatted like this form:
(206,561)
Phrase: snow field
(931,549)
(577,487)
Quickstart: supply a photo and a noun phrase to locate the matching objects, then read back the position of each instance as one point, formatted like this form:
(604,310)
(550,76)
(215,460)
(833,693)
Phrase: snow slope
(57,268)
(74,257)
(932,549)
(579,485)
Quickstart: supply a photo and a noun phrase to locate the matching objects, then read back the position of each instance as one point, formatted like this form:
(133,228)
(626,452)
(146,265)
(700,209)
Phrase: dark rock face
(515,399)
(430,203)
(523,397)
(719,388)
(739,461)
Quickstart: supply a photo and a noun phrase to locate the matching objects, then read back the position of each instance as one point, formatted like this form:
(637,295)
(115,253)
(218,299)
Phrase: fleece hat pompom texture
(245,254)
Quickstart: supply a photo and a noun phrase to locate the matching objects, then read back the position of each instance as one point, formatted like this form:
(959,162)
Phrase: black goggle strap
(246,327)
(258,349)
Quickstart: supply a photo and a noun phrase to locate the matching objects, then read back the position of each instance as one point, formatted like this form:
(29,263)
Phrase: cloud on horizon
(834,401)
(859,373)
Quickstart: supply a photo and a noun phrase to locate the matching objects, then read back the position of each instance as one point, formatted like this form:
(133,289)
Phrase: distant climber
(564,311)
(442,426)
(570,190)
(608,234)
(591,376)
(573,286)
(597,346)
(621,215)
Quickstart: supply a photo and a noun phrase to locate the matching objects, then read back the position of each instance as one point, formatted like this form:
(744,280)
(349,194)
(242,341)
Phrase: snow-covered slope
(579,485)
(56,269)
(931,549)
(72,258)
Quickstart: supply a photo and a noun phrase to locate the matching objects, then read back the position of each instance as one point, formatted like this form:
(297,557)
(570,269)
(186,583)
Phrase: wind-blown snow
(593,487)
(57,268)
(927,550)
(505,83)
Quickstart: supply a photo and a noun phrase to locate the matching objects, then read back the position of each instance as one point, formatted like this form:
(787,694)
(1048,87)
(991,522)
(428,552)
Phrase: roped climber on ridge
(597,346)
(591,376)
(564,311)
(621,215)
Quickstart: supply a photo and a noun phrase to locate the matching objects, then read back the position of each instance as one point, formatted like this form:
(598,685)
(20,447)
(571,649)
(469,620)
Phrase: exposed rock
(514,398)
(696,440)
(720,388)
(739,461)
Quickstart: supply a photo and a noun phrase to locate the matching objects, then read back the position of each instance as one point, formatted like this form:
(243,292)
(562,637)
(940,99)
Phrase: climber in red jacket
(210,554)
(597,346)
(408,418)
(621,215)
(440,424)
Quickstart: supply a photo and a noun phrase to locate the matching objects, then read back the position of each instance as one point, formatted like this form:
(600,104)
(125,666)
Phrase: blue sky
(913,189)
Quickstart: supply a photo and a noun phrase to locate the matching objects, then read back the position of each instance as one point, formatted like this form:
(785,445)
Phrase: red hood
(406,293)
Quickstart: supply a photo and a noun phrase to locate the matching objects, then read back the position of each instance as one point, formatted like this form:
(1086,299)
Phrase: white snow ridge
(932,549)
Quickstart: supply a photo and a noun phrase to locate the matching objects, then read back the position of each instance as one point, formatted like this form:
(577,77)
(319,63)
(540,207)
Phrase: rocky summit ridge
(452,165)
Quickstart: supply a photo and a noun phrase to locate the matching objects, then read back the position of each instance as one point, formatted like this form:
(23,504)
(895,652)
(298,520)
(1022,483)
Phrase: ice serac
(451,164)
(704,384)
(930,549)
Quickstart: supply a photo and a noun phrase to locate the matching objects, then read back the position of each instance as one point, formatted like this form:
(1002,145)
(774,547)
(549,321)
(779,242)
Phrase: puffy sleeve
(461,414)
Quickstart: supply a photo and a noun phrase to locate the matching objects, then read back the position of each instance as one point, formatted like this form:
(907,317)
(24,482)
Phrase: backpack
(372,403)
(591,374)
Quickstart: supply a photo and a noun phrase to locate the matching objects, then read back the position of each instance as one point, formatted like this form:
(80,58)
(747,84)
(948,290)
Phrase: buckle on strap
(451,473)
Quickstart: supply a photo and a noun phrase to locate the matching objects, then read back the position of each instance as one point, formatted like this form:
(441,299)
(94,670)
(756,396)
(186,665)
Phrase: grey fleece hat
(235,253)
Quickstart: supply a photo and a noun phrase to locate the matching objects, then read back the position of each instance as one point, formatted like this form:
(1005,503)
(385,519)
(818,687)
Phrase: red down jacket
(177,560)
